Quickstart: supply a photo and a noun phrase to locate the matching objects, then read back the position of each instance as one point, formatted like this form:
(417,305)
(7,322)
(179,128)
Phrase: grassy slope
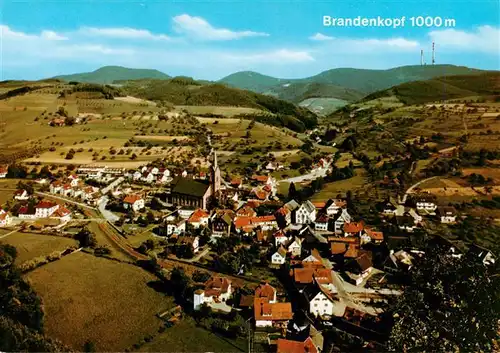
(297,92)
(190,92)
(109,74)
(106,302)
(443,88)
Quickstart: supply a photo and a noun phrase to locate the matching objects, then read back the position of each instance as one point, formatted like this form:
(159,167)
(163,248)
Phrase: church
(197,193)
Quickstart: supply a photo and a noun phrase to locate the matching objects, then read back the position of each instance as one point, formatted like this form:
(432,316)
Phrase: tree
(86,238)
(451,304)
(180,283)
(292,191)
(89,346)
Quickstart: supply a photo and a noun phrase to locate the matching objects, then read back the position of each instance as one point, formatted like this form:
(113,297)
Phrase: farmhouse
(321,301)
(289,346)
(45,209)
(133,202)
(5,218)
(217,290)
(271,314)
(425,202)
(198,218)
(447,214)
(21,195)
(279,257)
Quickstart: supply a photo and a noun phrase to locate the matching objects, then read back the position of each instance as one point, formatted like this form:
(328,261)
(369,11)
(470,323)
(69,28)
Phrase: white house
(5,218)
(295,247)
(55,187)
(321,303)
(321,222)
(343,217)
(280,238)
(45,209)
(134,202)
(447,214)
(279,257)
(148,177)
(426,202)
(137,175)
(199,218)
(63,214)
(305,213)
(3,172)
(176,226)
(21,195)
(185,212)
(217,289)
(334,206)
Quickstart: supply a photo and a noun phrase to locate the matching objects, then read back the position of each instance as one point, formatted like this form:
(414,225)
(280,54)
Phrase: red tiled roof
(261,178)
(288,346)
(3,171)
(343,239)
(354,227)
(198,215)
(265,291)
(246,211)
(241,222)
(3,216)
(45,204)
(338,248)
(352,251)
(131,199)
(375,235)
(307,274)
(62,211)
(319,205)
(19,192)
(217,285)
(272,312)
(236,181)
(261,194)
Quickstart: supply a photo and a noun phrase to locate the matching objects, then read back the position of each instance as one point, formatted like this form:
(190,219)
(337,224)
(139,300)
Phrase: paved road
(66,200)
(411,188)
(315,174)
(110,216)
(5,235)
(199,255)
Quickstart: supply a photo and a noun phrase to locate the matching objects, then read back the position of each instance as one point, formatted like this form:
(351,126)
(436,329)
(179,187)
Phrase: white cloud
(7,33)
(320,37)
(51,35)
(123,33)
(283,56)
(484,38)
(199,28)
(394,43)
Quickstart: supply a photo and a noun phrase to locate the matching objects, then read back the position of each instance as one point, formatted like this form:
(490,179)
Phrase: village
(330,268)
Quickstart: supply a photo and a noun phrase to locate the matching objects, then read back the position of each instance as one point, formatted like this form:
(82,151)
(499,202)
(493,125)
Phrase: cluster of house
(29,208)
(74,187)
(409,213)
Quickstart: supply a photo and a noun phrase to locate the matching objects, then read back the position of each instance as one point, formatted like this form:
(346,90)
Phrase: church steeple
(215,178)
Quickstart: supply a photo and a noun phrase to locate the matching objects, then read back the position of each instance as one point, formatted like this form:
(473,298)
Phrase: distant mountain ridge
(110,74)
(365,81)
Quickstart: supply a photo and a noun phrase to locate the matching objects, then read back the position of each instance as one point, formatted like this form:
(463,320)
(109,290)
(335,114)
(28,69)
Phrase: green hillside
(186,91)
(252,81)
(443,88)
(109,74)
(299,91)
(359,80)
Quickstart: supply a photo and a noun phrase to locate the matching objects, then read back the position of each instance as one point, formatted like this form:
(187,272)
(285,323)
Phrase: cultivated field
(223,111)
(30,245)
(99,300)
(187,337)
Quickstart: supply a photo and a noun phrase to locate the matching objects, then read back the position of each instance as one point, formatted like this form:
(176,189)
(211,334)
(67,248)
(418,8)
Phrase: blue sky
(211,39)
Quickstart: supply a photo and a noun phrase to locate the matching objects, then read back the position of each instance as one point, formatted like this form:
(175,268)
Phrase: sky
(212,39)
